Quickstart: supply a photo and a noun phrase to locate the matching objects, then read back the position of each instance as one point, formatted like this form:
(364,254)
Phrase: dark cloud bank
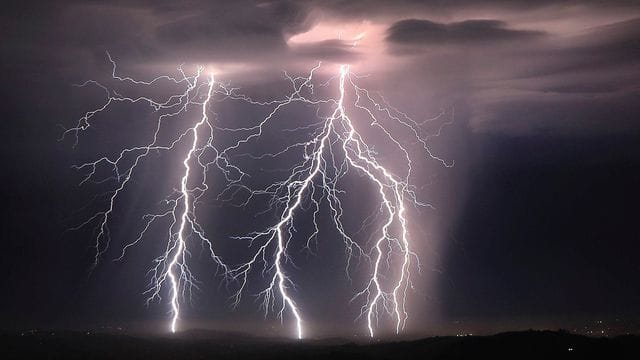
(472,32)
(500,61)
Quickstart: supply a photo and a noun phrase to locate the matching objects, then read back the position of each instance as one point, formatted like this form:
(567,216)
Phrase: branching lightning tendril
(335,147)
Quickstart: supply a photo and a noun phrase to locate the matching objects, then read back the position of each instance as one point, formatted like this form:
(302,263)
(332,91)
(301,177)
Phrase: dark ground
(203,345)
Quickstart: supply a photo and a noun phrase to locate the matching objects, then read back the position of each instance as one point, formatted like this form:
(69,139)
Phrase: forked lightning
(336,145)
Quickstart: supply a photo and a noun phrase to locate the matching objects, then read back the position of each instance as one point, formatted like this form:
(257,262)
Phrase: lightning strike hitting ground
(179,207)
(319,169)
(336,145)
(179,254)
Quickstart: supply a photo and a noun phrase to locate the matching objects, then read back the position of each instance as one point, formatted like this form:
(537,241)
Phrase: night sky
(536,225)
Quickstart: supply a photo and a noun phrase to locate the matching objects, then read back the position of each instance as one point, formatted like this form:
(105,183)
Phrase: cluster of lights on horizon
(314,179)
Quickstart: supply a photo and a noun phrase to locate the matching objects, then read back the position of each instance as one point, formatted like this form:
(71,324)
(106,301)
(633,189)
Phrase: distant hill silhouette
(203,344)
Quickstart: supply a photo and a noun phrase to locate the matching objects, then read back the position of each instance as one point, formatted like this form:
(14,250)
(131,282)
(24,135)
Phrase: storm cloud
(567,56)
(469,32)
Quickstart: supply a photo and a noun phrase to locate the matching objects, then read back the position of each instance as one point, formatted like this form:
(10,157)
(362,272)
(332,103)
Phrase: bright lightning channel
(178,259)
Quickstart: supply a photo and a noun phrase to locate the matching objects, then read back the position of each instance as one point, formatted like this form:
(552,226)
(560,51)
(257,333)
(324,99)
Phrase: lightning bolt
(335,146)
(178,260)
(171,268)
(319,169)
